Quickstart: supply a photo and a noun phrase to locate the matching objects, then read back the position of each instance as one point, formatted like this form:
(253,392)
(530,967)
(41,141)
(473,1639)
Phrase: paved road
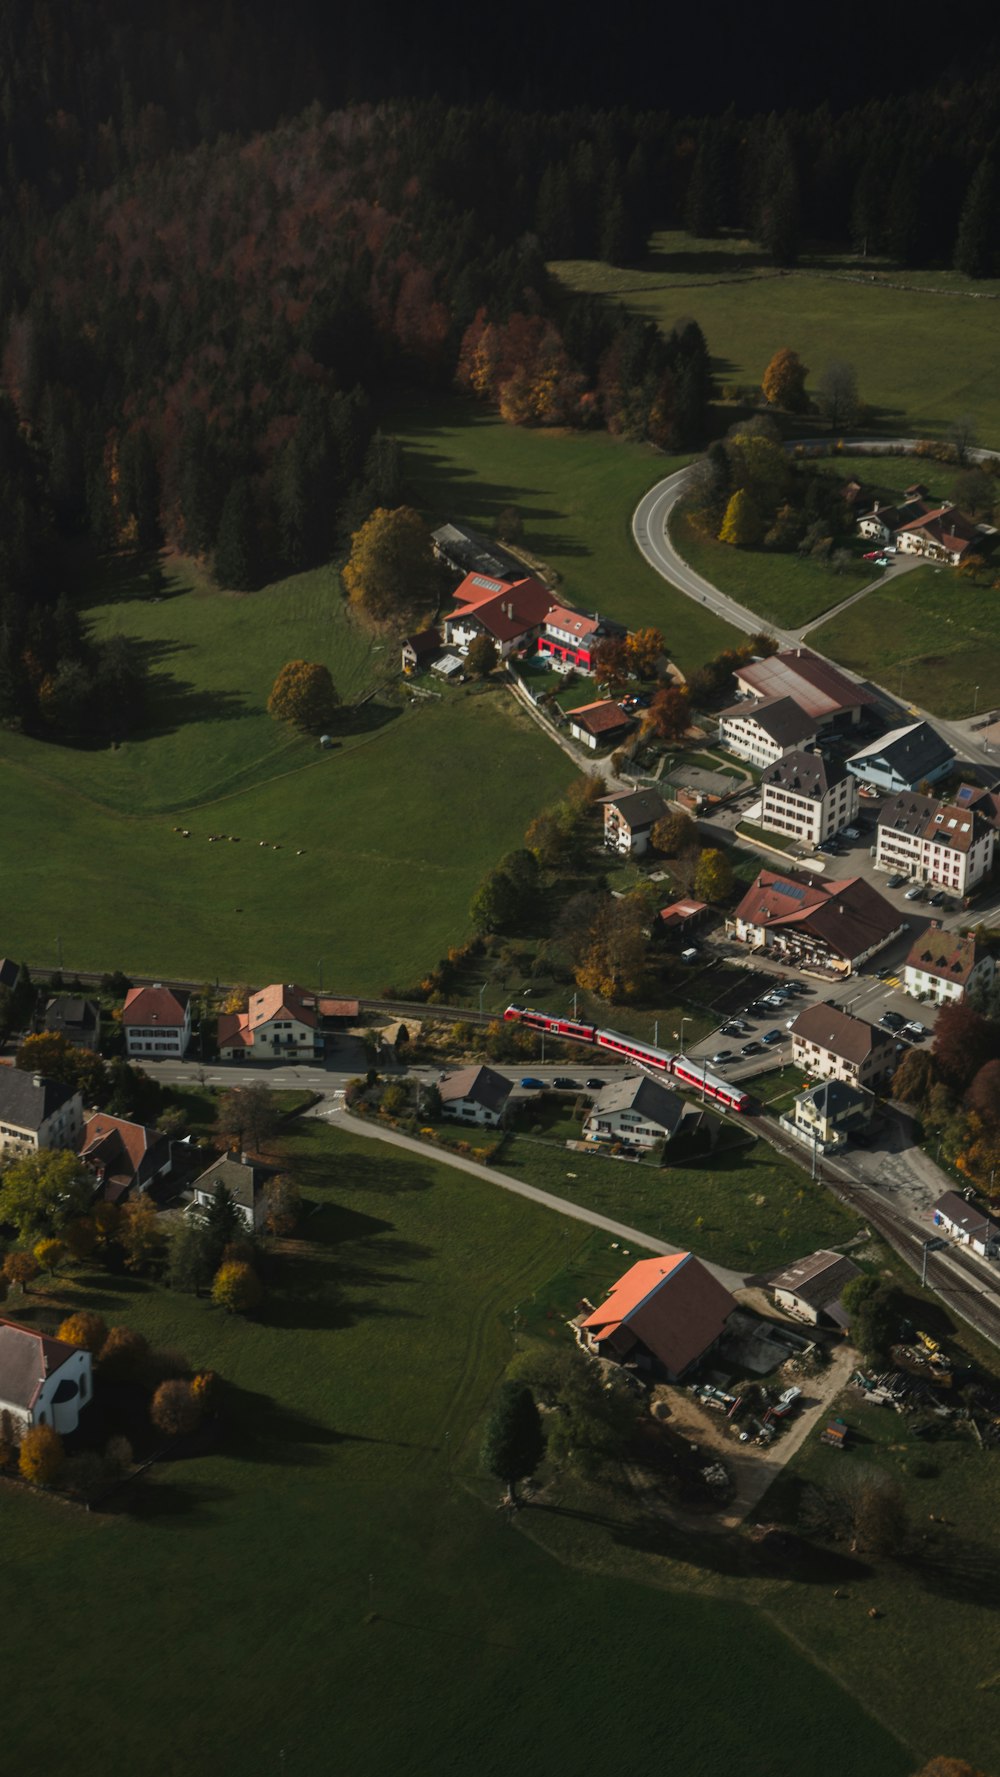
(649,528)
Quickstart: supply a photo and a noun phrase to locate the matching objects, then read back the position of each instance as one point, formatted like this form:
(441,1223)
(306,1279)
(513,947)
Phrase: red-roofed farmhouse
(663,1315)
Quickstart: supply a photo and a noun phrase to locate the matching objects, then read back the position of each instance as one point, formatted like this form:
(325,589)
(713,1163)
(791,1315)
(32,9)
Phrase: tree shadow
(164,1501)
(175,702)
(376,1176)
(131,578)
(960,1569)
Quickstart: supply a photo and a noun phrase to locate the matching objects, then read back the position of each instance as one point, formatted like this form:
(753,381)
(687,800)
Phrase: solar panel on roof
(793,890)
(487,585)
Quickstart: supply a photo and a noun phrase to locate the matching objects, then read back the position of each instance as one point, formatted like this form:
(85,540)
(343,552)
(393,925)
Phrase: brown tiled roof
(233,1028)
(817,1279)
(671,1305)
(923,817)
(853,1039)
(506,612)
(281,1000)
(850,917)
(27,1358)
(951,955)
(165,1006)
(814,684)
(576,622)
(803,773)
(338,1008)
(782,718)
(483,1085)
(679,911)
(599,718)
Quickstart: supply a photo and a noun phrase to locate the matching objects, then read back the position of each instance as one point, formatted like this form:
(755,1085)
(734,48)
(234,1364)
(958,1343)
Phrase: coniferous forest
(223,243)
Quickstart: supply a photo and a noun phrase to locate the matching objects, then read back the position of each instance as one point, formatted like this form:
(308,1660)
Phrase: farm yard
(342,1525)
(412,801)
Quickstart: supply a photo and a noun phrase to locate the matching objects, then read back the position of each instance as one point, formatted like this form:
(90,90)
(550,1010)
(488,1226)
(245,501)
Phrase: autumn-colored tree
(784,381)
(972,566)
(282,1204)
(714,876)
(550,835)
(44,1190)
(303,693)
(237,1288)
(964,1042)
(51,1054)
(613,960)
(86,1329)
(674,832)
(612,662)
(247,1117)
(107,1220)
(205,1388)
(949,1767)
(238,998)
(175,1409)
(983,1096)
(914,1077)
(140,1233)
(42,1458)
(20,1268)
(80,1237)
(50,1254)
(123,1354)
(482,656)
(741,526)
(669,714)
(391,568)
(644,649)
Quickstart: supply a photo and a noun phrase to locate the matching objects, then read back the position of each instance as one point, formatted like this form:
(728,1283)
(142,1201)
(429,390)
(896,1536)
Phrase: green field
(928,637)
(576,492)
(913,383)
(784,590)
(408,810)
(331,1588)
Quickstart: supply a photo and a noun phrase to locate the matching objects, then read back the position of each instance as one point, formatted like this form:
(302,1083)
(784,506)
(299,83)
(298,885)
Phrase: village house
(70,1016)
(942,966)
(836,926)
(36,1113)
(811,1288)
(475,1095)
(244,1180)
(834,1045)
(807,796)
(934,842)
(511,614)
(281,1021)
(43,1381)
(820,690)
(123,1156)
(663,1316)
(677,922)
(762,732)
(942,533)
(903,759)
(636,1110)
(156,1021)
(629,821)
(419,650)
(967,1223)
(826,1116)
(599,724)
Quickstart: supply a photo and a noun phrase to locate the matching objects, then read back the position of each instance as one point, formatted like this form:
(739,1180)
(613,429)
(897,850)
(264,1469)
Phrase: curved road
(649,529)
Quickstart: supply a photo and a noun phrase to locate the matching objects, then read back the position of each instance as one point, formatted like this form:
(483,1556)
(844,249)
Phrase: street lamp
(482,990)
(679,1034)
(975,704)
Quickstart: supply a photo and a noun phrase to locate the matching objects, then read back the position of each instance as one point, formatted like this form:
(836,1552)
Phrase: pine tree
(513,1442)
(703,205)
(977,239)
(237,549)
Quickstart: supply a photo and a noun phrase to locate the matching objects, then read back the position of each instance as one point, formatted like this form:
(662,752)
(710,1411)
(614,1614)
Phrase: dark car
(752,1049)
(596,1085)
(884,973)
(732,1028)
(773,1036)
(937,898)
(897,880)
(758,1009)
(563,1084)
(892,1020)
(532,1085)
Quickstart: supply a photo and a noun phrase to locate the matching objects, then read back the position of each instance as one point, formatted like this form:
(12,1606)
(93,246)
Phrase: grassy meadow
(409,809)
(331,1587)
(928,637)
(785,590)
(576,492)
(919,352)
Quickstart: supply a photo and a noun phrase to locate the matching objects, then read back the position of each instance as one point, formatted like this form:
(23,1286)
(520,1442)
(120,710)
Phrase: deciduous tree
(283,1204)
(611,959)
(914,1077)
(85,1328)
(391,568)
(669,714)
(482,656)
(513,1442)
(50,1254)
(175,1409)
(42,1192)
(42,1458)
(674,832)
(303,694)
(644,649)
(193,1256)
(742,525)
(784,381)
(123,1354)
(714,876)
(247,1117)
(837,394)
(140,1233)
(963,1043)
(20,1268)
(237,1288)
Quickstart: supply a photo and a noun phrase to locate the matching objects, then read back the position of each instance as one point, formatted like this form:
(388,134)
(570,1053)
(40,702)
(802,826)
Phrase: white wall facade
(63,1415)
(61,1130)
(809,818)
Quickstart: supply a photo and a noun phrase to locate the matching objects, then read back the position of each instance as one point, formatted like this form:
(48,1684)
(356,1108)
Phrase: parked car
(773,1036)
(937,898)
(722,1055)
(829,846)
(916,893)
(751,1049)
(916,1030)
(530,1084)
(851,832)
(596,1085)
(881,561)
(897,880)
(884,973)
(892,1020)
(732,1028)
(563,1084)
(758,1009)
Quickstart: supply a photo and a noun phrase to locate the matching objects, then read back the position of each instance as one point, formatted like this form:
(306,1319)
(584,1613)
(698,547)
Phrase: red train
(664,1061)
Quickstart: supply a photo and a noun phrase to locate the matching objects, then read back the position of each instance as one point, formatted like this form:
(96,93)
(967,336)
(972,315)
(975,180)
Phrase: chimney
(36,1080)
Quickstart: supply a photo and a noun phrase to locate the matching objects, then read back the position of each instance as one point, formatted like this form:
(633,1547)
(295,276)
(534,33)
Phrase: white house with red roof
(510,614)
(156,1021)
(42,1382)
(834,925)
(280,1021)
(663,1315)
(123,1155)
(942,966)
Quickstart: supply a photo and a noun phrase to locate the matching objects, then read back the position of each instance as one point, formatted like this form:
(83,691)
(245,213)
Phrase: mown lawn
(410,808)
(741,1207)
(576,492)
(929,637)
(784,590)
(891,336)
(331,1587)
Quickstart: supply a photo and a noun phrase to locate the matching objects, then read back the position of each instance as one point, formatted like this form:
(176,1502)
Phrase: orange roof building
(664,1314)
(280,1021)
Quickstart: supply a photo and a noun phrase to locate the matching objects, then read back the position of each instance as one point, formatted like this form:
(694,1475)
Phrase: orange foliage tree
(41,1459)
(86,1329)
